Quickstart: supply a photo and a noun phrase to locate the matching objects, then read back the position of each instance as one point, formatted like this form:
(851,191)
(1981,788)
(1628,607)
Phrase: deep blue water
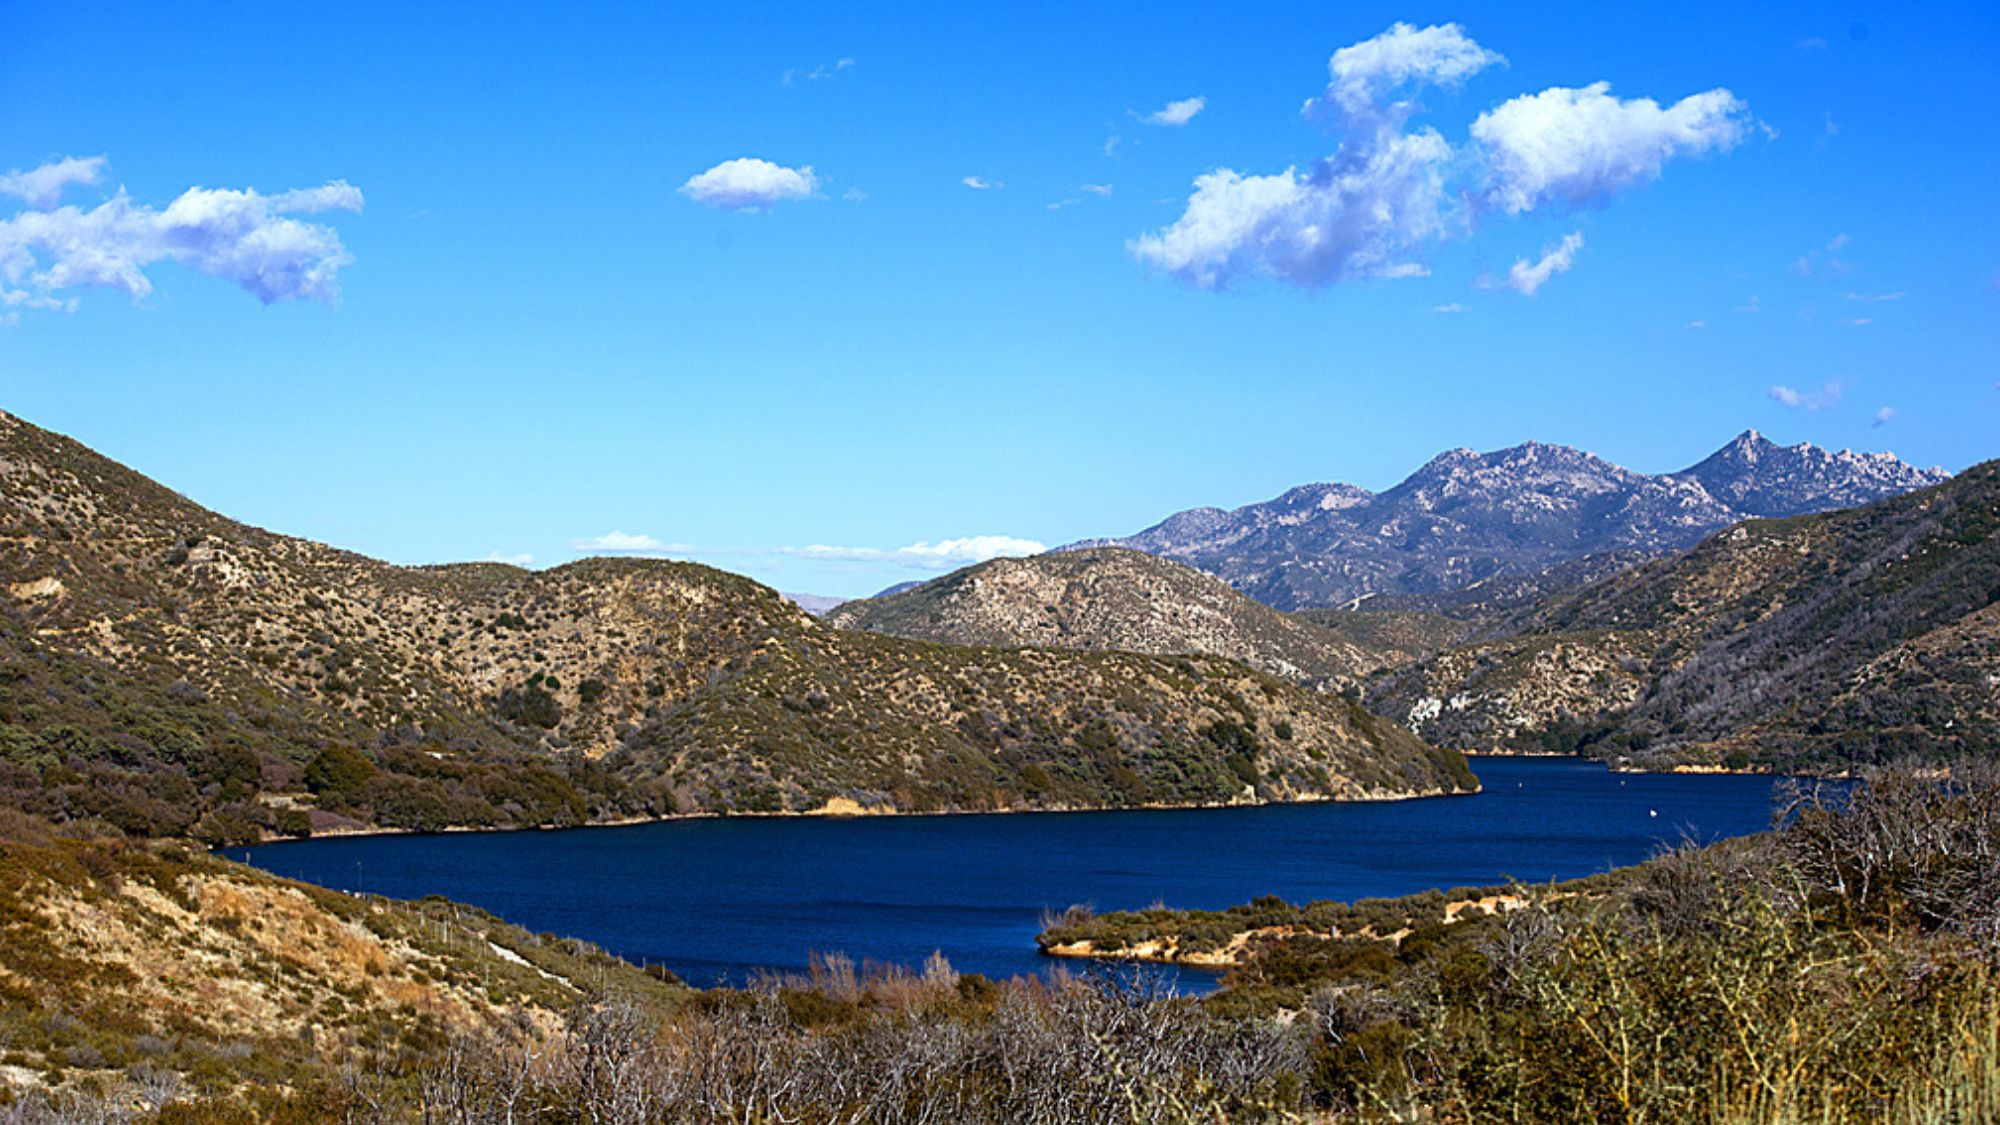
(718,899)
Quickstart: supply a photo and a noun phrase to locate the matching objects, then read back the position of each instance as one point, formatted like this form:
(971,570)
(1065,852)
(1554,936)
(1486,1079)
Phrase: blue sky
(535,330)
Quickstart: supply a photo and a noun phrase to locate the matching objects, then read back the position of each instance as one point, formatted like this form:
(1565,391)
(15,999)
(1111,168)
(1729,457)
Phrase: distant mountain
(816,604)
(1467,518)
(169,671)
(899,588)
(1109,599)
(1811,642)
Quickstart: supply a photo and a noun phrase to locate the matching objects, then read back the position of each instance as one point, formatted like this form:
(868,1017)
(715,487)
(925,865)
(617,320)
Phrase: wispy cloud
(941,555)
(1884,416)
(618,543)
(43,187)
(1102,191)
(1452,309)
(981,183)
(1876,298)
(1811,401)
(1811,43)
(1825,260)
(817,73)
(522,559)
(750,184)
(1754,304)
(1697,324)
(243,236)
(1525,278)
(944,554)
(1175,114)
(1386,196)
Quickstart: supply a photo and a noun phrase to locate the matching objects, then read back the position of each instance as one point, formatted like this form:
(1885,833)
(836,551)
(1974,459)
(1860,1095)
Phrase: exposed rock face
(148,639)
(1812,642)
(1468,517)
(1109,599)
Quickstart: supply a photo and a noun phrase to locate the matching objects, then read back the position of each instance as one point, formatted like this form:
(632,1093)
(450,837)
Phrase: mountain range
(171,671)
(1809,643)
(1467,517)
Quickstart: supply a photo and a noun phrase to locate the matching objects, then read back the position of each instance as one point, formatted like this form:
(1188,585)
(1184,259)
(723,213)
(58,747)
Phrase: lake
(717,899)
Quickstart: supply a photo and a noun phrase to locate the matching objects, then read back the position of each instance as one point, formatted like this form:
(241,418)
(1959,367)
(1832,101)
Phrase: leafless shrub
(1902,845)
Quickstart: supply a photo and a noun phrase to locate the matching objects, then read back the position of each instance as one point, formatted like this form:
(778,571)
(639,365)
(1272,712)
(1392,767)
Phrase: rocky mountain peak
(1467,516)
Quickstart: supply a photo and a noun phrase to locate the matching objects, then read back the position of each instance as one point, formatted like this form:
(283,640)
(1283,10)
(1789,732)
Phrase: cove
(718,900)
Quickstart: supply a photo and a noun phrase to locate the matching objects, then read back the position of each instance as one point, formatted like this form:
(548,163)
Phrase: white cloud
(1697,324)
(1367,211)
(1386,196)
(42,187)
(1176,113)
(523,559)
(818,73)
(945,554)
(977,183)
(1754,305)
(240,236)
(1876,298)
(1363,76)
(1885,415)
(1811,43)
(1451,309)
(1364,212)
(618,542)
(854,195)
(1111,144)
(1102,191)
(1581,147)
(1817,400)
(1526,278)
(1858,321)
(748,183)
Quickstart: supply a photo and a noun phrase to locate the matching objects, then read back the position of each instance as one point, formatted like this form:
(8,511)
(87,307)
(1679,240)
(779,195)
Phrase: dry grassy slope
(1813,642)
(1109,599)
(707,682)
(114,955)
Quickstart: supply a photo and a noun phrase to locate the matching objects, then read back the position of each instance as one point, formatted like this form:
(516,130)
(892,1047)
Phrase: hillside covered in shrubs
(172,672)
(1806,644)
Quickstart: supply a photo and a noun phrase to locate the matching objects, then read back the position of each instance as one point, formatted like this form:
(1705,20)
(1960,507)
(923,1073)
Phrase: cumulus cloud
(1581,147)
(1525,278)
(43,187)
(750,184)
(618,542)
(1364,77)
(241,236)
(979,183)
(1366,211)
(1176,113)
(1810,401)
(1390,192)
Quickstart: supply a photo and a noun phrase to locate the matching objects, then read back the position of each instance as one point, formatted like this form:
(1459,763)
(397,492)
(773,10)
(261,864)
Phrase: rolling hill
(168,670)
(1109,599)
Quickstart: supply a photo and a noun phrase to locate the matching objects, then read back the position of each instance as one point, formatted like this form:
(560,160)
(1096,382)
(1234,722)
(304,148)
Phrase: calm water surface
(715,900)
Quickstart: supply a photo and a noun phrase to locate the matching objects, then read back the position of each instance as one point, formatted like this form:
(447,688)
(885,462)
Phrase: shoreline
(829,812)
